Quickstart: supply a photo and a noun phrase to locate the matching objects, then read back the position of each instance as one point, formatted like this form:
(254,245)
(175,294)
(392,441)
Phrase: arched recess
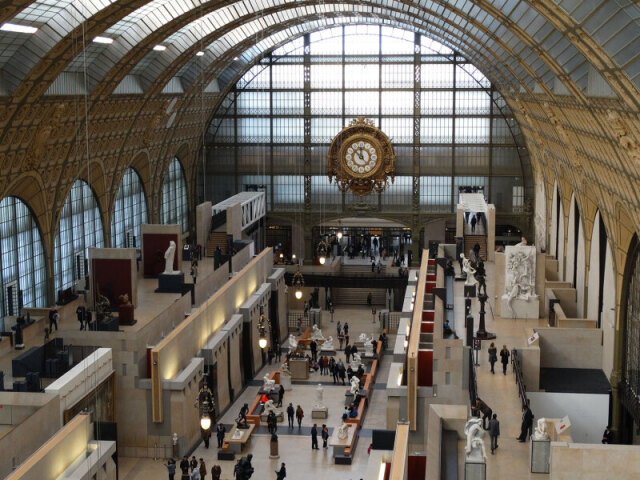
(540,214)
(129,211)
(557,230)
(22,260)
(601,290)
(553,234)
(174,206)
(80,227)
(575,257)
(630,326)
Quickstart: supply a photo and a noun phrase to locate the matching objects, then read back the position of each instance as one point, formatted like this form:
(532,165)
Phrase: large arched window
(631,375)
(129,211)
(24,275)
(80,227)
(174,208)
(449,126)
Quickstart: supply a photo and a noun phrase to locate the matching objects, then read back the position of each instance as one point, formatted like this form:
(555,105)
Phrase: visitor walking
(369,296)
(313,346)
(314,437)
(493,356)
(347,352)
(290,414)
(607,436)
(53,319)
(272,422)
(280,395)
(281,473)
(299,415)
(220,431)
(342,372)
(203,469)
(171,467)
(345,328)
(504,358)
(341,340)
(494,432)
(325,435)
(527,423)
(216,471)
(338,328)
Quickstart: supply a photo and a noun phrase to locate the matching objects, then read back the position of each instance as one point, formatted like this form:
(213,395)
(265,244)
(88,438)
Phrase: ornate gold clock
(361,158)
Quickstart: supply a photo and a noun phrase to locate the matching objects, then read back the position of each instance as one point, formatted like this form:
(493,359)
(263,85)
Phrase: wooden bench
(305,340)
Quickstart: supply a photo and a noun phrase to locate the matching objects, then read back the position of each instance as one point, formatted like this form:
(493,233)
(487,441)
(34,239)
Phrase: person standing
(206,435)
(338,328)
(278,351)
(504,358)
(493,356)
(527,423)
(193,463)
(216,471)
(81,312)
(280,395)
(494,431)
(282,473)
(369,296)
(299,326)
(53,319)
(272,422)
(220,431)
(290,413)
(334,370)
(482,408)
(299,415)
(607,436)
(184,467)
(347,352)
(342,372)
(171,467)
(313,346)
(314,437)
(194,271)
(203,469)
(325,435)
(345,328)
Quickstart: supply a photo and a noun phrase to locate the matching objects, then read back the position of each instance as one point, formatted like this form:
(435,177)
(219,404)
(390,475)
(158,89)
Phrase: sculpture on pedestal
(103,309)
(520,275)
(168,257)
(468,270)
(270,406)
(241,419)
(316,333)
(319,395)
(343,431)
(356,361)
(540,433)
(475,444)
(368,347)
(328,345)
(363,338)
(268,384)
(480,277)
(355,385)
(293,343)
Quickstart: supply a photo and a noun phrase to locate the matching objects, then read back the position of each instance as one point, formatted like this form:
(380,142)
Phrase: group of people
(192,469)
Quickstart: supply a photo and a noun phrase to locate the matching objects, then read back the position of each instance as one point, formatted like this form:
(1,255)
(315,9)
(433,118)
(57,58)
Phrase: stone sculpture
(475,444)
(293,343)
(316,333)
(269,406)
(268,384)
(541,228)
(356,361)
(468,270)
(355,385)
(168,257)
(540,433)
(520,278)
(368,347)
(343,431)
(328,345)
(319,395)
(363,338)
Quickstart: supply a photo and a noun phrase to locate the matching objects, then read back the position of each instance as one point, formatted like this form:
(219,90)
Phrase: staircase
(216,239)
(471,240)
(358,296)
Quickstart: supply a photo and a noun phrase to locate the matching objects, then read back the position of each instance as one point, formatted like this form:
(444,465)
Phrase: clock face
(361,156)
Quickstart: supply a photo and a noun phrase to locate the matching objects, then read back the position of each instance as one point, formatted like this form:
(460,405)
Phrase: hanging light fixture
(205,405)
(264,325)
(322,250)
(297,282)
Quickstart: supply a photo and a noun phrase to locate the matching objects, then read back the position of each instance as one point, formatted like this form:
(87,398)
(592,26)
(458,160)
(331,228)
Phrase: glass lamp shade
(339,235)
(322,260)
(205,422)
(298,294)
(262,342)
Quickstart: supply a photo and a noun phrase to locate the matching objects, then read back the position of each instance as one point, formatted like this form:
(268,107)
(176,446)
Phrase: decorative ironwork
(297,282)
(264,326)
(361,158)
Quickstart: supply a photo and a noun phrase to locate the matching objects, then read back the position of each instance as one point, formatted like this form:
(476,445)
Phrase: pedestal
(474,467)
(520,308)
(470,290)
(279,417)
(319,412)
(540,456)
(348,398)
(170,282)
(299,369)
(285,381)
(273,447)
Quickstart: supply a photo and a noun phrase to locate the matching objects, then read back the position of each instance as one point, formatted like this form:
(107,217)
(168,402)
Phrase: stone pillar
(234,221)
(203,223)
(459,221)
(491,232)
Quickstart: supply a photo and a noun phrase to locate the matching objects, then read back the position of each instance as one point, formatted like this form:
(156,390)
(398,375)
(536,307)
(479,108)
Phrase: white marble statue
(169,256)
(356,361)
(540,433)
(355,385)
(363,338)
(541,230)
(475,444)
(468,270)
(319,395)
(284,370)
(268,385)
(328,345)
(293,343)
(237,435)
(368,347)
(522,242)
(343,431)
(316,333)
(520,275)
(270,406)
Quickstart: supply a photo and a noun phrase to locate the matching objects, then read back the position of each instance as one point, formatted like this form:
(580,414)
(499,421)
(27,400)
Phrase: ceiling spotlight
(200,53)
(159,48)
(105,40)
(12,27)
(235,59)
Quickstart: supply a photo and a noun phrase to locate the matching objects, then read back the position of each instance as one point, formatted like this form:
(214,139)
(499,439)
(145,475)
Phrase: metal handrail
(473,380)
(517,370)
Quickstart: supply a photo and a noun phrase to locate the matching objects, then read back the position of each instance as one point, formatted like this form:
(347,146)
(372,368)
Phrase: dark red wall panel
(154,245)
(428,316)
(417,467)
(426,327)
(425,368)
(112,278)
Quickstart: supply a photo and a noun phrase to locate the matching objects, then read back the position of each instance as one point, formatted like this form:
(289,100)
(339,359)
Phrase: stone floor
(295,443)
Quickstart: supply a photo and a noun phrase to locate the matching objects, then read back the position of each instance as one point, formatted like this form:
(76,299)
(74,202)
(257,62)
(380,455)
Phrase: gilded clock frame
(361,129)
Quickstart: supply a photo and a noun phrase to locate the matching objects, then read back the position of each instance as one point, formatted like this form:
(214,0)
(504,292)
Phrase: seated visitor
(446,328)
(353,413)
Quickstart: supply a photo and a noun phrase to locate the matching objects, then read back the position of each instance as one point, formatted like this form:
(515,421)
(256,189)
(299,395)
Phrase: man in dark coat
(220,431)
(290,413)
(504,358)
(314,437)
(482,408)
(494,432)
(527,423)
(244,468)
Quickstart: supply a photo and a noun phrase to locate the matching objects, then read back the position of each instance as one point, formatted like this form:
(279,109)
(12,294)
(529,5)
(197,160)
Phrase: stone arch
(575,270)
